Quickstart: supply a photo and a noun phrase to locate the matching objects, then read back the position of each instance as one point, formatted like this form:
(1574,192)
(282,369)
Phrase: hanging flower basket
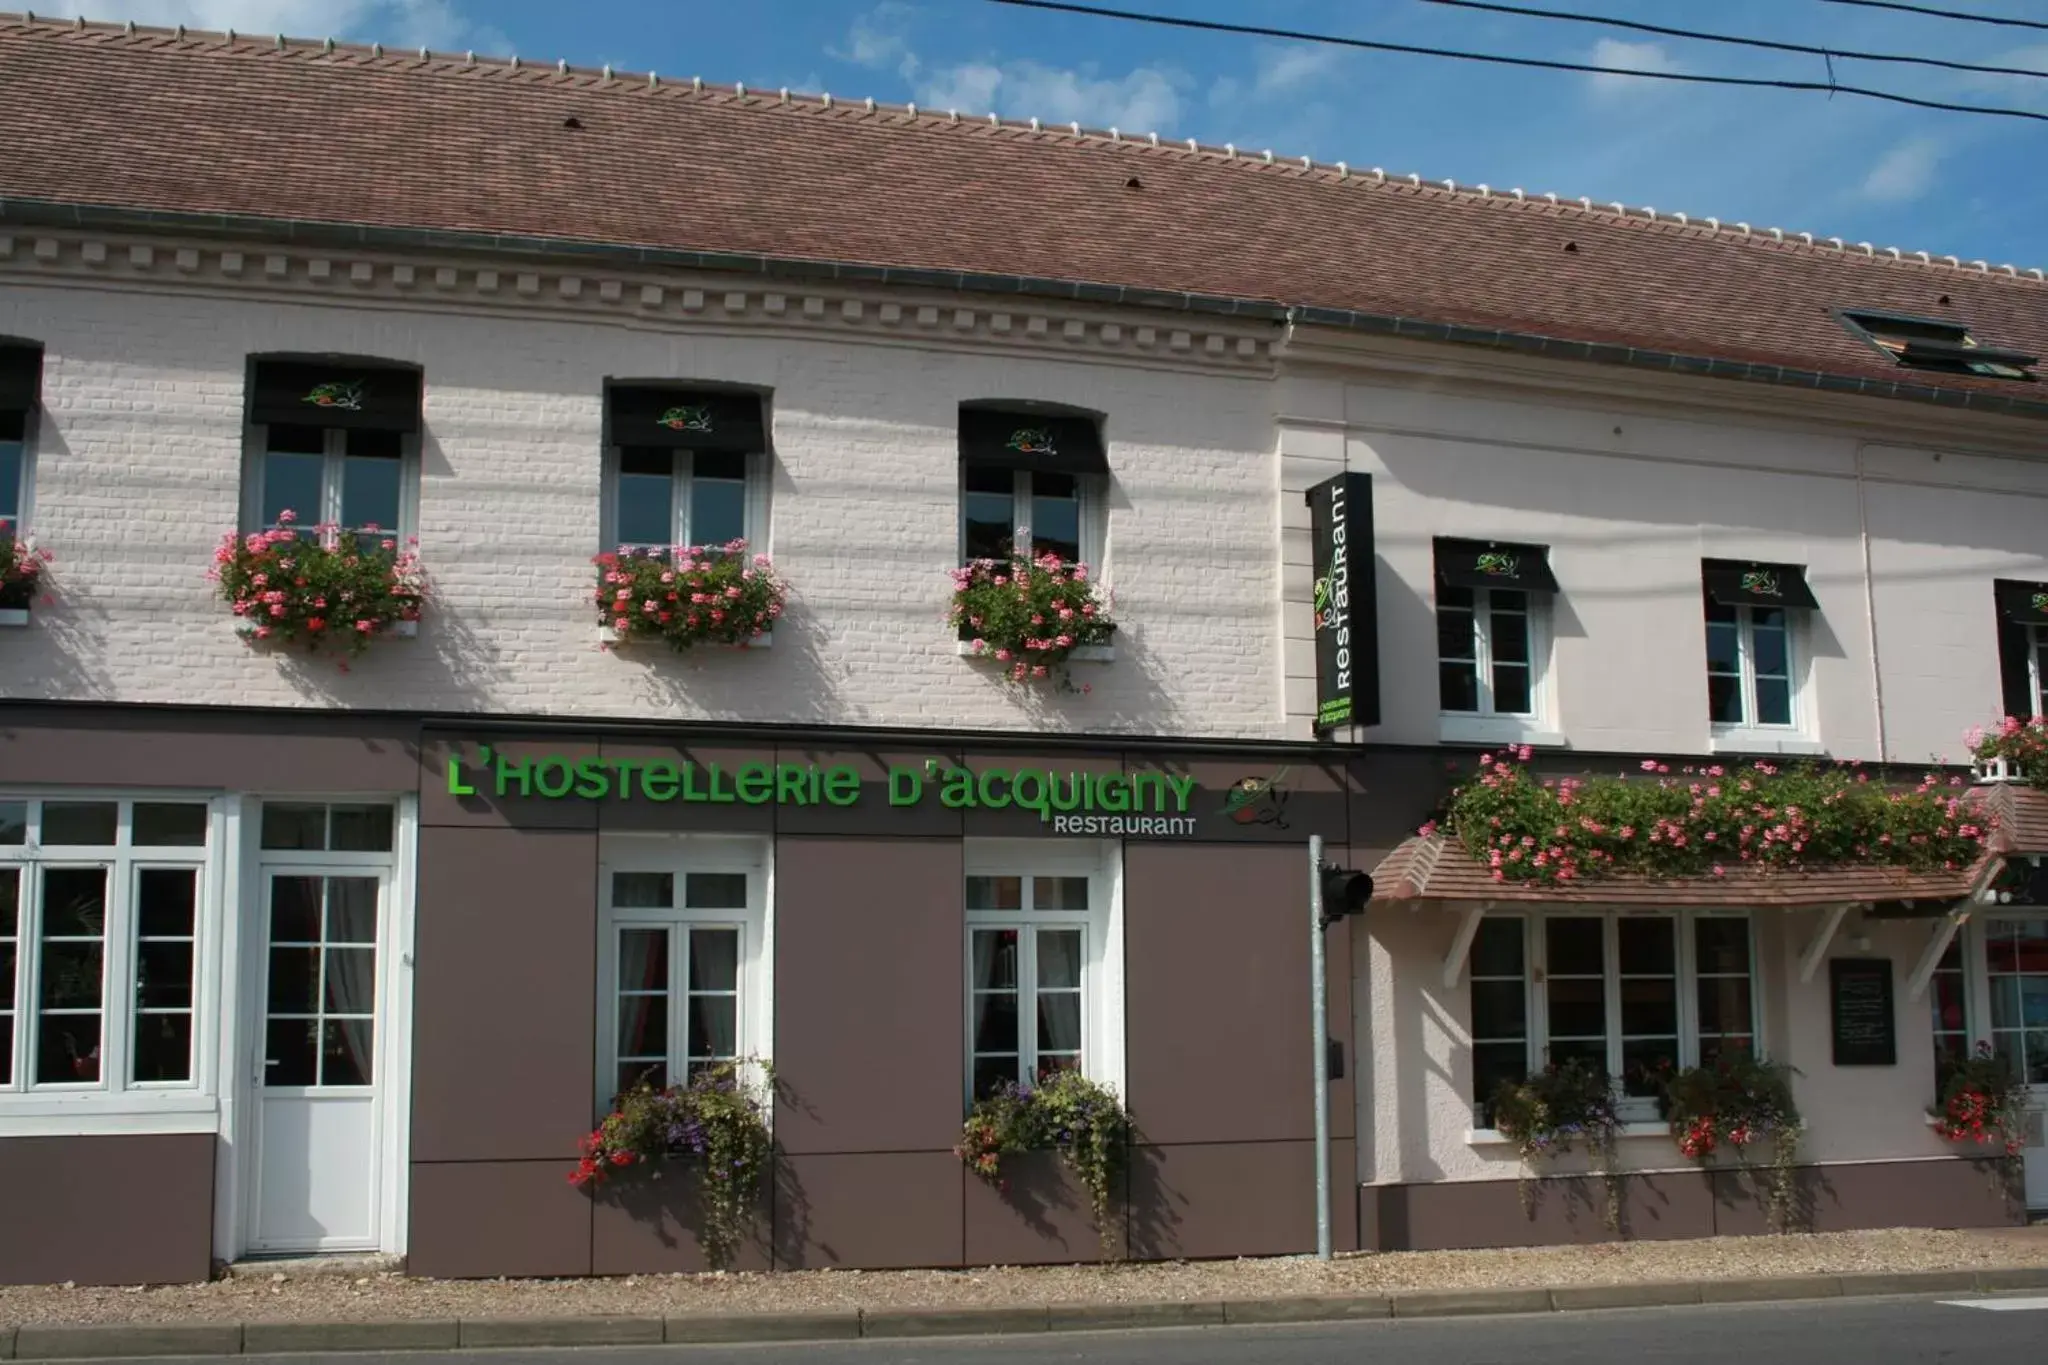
(330,590)
(2014,750)
(1982,1103)
(1030,615)
(21,571)
(689,596)
(1550,1112)
(1068,1113)
(1737,1103)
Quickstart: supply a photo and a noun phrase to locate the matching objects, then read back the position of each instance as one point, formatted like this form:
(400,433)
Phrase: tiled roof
(199,125)
(2022,817)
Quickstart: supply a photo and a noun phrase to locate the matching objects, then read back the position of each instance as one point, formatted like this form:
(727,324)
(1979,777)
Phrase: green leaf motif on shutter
(1031,441)
(1499,564)
(1763,583)
(2041,601)
(348,397)
(688,417)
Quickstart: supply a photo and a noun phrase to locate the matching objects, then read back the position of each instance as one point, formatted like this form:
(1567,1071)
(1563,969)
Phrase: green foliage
(694,596)
(1734,1103)
(1029,615)
(1982,1101)
(1701,821)
(719,1120)
(1551,1111)
(322,589)
(1068,1113)
(21,568)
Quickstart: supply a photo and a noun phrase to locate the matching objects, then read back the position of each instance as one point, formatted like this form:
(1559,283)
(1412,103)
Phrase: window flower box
(2014,750)
(320,589)
(1085,1123)
(1031,616)
(689,596)
(21,570)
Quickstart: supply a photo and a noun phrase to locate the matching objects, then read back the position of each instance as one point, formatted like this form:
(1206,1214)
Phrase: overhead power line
(1538,63)
(1768,44)
(1933,13)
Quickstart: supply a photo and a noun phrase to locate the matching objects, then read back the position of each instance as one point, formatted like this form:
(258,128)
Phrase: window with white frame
(2039,659)
(1948,994)
(355,480)
(682,959)
(1489,651)
(661,498)
(1631,995)
(1032,483)
(1044,967)
(1751,683)
(102,913)
(14,473)
(2016,969)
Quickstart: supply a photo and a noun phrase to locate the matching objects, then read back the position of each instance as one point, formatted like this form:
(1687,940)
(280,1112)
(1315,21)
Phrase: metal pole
(1319,1031)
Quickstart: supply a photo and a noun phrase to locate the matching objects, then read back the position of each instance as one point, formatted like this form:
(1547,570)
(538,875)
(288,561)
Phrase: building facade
(309,954)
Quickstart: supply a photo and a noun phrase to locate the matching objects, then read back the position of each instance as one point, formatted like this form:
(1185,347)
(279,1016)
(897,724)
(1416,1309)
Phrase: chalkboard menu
(1860,1009)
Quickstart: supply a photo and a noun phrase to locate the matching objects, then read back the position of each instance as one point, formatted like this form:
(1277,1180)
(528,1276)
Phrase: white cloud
(1146,99)
(1619,57)
(1284,70)
(412,23)
(876,40)
(1905,172)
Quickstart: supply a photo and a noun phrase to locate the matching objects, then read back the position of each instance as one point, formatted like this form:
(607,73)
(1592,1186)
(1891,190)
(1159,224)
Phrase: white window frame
(256,445)
(1486,725)
(113,1103)
(754,522)
(680,855)
(1750,735)
(1536,1000)
(24,520)
(1089,490)
(1102,947)
(1982,1016)
(2037,667)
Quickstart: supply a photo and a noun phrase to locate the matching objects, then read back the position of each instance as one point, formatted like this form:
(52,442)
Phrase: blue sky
(1957,184)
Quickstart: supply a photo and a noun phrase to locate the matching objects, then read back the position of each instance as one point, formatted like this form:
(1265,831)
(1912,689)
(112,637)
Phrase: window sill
(1782,743)
(98,1115)
(13,616)
(398,630)
(1453,728)
(1489,1137)
(1084,654)
(607,636)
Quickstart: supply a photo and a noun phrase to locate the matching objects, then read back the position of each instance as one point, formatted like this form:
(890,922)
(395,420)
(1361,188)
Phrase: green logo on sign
(1763,583)
(1499,564)
(346,397)
(688,417)
(1258,801)
(2041,601)
(1031,441)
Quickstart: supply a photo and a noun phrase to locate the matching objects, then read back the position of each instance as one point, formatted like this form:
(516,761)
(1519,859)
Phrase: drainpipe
(1884,753)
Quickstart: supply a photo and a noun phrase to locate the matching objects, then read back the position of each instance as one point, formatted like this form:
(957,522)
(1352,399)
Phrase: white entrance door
(2016,953)
(319,1106)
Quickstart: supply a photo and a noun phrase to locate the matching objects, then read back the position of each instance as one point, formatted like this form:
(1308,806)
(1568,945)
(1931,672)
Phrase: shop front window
(1948,996)
(101,919)
(1632,996)
(2016,961)
(680,956)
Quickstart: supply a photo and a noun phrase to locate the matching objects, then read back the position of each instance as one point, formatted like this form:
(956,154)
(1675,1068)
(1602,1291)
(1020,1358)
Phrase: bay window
(1631,995)
(101,920)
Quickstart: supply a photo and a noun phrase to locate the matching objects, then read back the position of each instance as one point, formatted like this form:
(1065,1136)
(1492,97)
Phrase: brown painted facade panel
(643,1226)
(505,1009)
(107,1210)
(483,1219)
(869,1012)
(1039,1215)
(1211,1200)
(869,1211)
(1217,942)
(1950,1192)
(245,752)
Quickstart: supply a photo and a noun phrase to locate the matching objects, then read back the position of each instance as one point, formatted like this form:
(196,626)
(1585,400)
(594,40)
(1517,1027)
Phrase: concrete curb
(112,1340)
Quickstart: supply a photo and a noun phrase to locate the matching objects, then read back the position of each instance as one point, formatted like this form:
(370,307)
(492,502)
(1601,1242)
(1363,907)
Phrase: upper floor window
(102,918)
(1492,610)
(334,444)
(682,962)
(1031,484)
(21,381)
(684,467)
(1630,995)
(1043,969)
(1753,620)
(2023,646)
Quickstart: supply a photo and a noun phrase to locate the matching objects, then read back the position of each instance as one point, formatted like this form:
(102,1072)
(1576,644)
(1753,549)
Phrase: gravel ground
(342,1297)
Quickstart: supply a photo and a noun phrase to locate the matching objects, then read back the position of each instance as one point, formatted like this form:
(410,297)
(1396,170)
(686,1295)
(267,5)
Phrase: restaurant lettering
(1075,802)
(1346,620)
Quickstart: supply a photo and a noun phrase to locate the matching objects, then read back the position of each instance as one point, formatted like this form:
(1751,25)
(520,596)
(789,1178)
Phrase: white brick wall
(139,469)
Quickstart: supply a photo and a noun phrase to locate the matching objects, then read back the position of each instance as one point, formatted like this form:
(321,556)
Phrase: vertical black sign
(1346,607)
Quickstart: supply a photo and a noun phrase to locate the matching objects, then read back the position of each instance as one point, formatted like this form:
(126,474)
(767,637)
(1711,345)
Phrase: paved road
(1866,1331)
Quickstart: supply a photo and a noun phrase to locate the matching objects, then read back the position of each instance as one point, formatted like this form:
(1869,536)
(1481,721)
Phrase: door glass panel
(642,1037)
(322,982)
(360,829)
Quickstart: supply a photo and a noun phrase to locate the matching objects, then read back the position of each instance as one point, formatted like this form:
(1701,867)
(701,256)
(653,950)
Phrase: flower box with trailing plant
(1550,1112)
(329,589)
(1031,616)
(2014,750)
(1982,1102)
(692,595)
(1732,1105)
(21,572)
(718,1123)
(1701,820)
(1066,1113)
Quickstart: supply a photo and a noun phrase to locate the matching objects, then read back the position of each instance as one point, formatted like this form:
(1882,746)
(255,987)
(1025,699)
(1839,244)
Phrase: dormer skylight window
(1932,344)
